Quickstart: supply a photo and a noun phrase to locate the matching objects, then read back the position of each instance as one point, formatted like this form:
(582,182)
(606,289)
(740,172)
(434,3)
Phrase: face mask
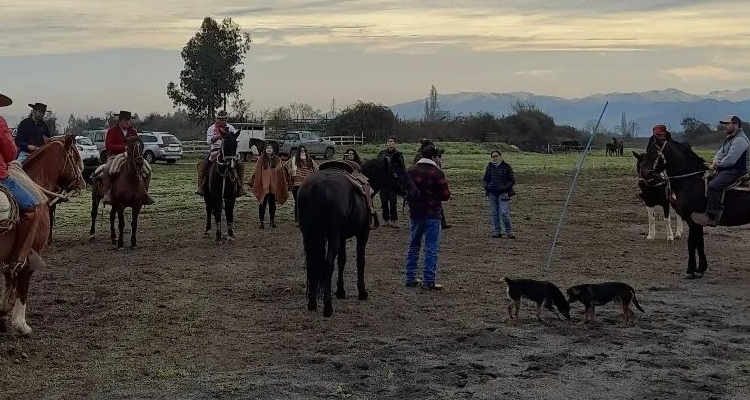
(303,156)
(269,151)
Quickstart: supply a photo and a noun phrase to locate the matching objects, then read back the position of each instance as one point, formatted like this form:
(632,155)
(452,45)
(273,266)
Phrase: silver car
(316,146)
(161,146)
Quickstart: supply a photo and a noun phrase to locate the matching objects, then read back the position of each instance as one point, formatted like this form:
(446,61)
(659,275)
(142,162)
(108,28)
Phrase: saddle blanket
(116,164)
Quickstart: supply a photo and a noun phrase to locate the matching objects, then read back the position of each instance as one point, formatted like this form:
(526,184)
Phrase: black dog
(541,292)
(602,293)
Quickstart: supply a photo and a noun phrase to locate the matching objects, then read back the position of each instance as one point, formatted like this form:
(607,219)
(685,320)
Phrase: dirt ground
(180,317)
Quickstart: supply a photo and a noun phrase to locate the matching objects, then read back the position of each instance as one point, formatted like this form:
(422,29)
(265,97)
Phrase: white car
(86,148)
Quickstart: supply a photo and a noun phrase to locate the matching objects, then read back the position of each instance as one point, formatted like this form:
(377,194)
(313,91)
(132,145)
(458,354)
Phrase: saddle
(116,165)
(9,212)
(352,172)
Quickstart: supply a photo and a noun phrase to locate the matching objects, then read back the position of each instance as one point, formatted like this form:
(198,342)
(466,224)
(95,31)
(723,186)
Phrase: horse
(657,192)
(59,194)
(52,166)
(686,173)
(331,210)
(222,184)
(127,189)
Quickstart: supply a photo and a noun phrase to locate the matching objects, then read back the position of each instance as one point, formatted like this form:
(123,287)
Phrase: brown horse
(50,167)
(56,192)
(127,189)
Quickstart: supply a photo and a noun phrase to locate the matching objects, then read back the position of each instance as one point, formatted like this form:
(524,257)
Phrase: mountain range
(646,109)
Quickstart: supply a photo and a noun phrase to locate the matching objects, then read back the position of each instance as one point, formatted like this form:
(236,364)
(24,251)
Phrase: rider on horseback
(731,164)
(114,143)
(214,136)
(31,209)
(33,132)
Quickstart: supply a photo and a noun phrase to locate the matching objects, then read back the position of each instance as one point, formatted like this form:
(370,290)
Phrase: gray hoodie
(733,152)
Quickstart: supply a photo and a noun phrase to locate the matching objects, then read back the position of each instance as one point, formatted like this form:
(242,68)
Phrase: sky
(88,57)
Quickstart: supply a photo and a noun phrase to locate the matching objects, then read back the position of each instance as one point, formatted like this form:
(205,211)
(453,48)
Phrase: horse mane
(37,154)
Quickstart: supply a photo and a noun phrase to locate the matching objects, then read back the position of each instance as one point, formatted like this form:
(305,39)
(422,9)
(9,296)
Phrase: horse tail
(635,302)
(315,260)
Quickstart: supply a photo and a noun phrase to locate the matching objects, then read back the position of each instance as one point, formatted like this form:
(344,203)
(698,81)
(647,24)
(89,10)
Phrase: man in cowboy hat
(214,137)
(114,143)
(32,132)
(730,162)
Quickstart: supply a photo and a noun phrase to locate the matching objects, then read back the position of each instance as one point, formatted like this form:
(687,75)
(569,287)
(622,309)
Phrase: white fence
(201,147)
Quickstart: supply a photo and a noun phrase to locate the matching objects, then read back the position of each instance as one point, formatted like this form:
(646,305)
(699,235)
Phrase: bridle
(660,156)
(63,193)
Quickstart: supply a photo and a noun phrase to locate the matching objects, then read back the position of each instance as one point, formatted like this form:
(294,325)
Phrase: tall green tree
(212,58)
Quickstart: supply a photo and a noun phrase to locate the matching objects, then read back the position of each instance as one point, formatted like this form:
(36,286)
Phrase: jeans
(499,208)
(388,204)
(721,181)
(430,230)
(25,200)
(294,194)
(22,156)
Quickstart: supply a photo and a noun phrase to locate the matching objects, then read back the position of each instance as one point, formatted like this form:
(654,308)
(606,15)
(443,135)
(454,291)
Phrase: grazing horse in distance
(128,189)
(686,173)
(332,208)
(657,192)
(50,167)
(222,186)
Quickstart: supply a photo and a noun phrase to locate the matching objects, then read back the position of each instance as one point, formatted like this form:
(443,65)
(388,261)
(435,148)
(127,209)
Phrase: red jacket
(8,149)
(114,142)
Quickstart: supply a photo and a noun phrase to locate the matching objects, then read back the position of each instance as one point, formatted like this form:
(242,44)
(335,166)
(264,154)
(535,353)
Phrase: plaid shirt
(433,189)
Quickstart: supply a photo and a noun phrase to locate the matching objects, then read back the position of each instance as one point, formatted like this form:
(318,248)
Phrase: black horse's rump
(222,187)
(330,210)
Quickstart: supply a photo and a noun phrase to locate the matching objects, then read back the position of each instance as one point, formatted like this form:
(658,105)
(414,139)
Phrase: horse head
(134,151)
(58,159)
(228,155)
(664,155)
(399,180)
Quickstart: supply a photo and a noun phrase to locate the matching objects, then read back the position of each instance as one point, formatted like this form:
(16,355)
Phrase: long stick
(570,189)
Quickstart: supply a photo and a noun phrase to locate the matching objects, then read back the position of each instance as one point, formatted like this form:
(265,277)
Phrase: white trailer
(252,135)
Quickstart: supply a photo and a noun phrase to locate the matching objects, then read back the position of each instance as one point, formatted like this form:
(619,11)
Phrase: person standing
(32,132)
(300,167)
(269,183)
(388,198)
(498,187)
(424,218)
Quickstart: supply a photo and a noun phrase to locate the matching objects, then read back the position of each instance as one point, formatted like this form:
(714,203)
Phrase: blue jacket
(500,179)
(732,154)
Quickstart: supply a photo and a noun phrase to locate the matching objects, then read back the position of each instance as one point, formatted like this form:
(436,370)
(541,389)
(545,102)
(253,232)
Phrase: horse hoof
(363,296)
(91,237)
(327,310)
(690,275)
(340,294)
(230,239)
(206,234)
(698,275)
(312,306)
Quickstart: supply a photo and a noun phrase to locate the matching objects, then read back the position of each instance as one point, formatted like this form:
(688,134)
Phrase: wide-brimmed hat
(124,115)
(38,106)
(5,101)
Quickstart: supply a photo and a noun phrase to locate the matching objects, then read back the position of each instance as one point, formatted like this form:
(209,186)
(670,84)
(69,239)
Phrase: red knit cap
(659,130)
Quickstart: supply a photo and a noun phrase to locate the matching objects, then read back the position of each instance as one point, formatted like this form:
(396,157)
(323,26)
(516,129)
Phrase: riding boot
(201,177)
(709,218)
(106,179)
(25,234)
(146,184)
(241,178)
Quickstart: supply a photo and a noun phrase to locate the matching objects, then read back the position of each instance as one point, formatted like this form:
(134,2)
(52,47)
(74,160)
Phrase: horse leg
(5,300)
(217,218)
(668,223)
(334,244)
(341,260)
(134,225)
(94,212)
(361,245)
(651,223)
(112,214)
(692,239)
(18,315)
(678,233)
(699,244)
(52,209)
(120,224)
(229,214)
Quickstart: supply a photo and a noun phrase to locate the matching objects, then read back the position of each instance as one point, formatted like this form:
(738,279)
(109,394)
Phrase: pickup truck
(315,145)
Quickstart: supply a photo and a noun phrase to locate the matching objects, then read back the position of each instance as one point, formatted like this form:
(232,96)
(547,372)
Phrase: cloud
(270,57)
(48,27)
(707,72)
(537,73)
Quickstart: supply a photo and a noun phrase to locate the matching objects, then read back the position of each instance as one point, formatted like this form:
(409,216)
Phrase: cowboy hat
(124,115)
(38,106)
(5,101)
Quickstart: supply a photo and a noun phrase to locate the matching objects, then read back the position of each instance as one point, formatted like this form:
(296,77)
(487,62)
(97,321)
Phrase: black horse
(685,171)
(222,187)
(332,210)
(656,192)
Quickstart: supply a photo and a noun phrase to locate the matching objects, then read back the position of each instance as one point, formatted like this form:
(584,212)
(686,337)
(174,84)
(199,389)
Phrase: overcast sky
(91,56)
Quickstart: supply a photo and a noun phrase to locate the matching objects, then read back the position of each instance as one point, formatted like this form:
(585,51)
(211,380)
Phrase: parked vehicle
(86,148)
(316,146)
(97,137)
(160,146)
(252,135)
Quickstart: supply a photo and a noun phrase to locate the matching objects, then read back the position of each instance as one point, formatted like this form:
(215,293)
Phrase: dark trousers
(388,203)
(270,201)
(721,181)
(294,194)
